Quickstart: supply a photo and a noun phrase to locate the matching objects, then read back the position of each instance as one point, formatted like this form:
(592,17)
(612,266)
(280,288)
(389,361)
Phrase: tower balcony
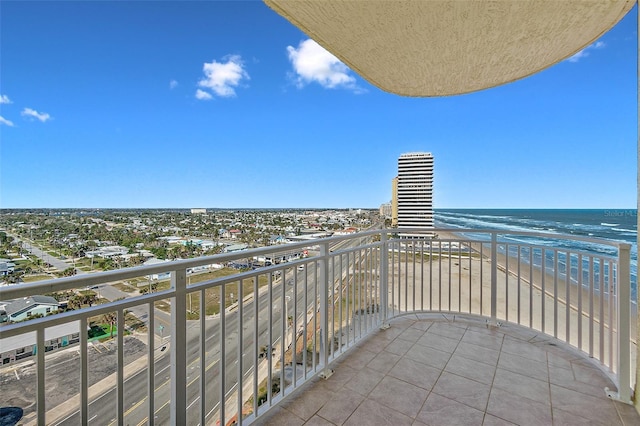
(473,327)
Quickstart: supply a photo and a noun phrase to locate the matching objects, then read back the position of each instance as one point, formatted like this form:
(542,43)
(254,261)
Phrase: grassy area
(84,263)
(34,278)
(101,330)
(134,324)
(212,295)
(126,287)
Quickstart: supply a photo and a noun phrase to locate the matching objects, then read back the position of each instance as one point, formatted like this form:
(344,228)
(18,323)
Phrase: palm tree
(110,318)
(89,299)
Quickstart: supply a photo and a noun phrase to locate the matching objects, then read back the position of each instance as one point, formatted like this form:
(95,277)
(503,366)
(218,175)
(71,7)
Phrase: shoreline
(462,283)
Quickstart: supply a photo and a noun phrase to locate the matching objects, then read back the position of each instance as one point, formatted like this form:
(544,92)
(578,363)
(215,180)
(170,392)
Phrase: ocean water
(617,225)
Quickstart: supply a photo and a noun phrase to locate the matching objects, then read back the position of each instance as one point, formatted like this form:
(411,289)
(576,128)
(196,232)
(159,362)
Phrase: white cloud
(312,63)
(42,116)
(202,95)
(223,77)
(4,99)
(5,121)
(586,51)
(173,84)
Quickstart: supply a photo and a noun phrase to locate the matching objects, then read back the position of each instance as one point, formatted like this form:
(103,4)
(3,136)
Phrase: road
(136,386)
(55,262)
(266,329)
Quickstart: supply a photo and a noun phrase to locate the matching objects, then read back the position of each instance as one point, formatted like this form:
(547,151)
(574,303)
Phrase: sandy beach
(452,277)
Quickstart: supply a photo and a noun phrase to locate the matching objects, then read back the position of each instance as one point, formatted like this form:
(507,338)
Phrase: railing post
(324,310)
(494,278)
(623,293)
(384,279)
(179,348)
(40,389)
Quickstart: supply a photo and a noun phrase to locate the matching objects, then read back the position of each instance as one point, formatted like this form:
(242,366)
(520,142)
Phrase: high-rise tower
(415,191)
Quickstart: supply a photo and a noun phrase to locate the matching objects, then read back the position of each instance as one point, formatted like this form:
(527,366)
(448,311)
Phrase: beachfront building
(415,191)
(394,202)
(385,210)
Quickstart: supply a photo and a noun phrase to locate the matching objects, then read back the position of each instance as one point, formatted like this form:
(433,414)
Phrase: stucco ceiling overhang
(438,48)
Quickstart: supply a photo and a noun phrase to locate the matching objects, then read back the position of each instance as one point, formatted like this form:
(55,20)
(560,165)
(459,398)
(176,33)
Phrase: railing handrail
(547,235)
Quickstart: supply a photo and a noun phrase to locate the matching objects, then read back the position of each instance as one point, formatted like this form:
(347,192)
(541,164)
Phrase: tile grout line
(486,407)
(441,370)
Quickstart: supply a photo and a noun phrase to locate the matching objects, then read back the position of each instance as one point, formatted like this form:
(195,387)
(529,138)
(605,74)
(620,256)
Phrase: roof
(28,302)
(26,339)
(440,48)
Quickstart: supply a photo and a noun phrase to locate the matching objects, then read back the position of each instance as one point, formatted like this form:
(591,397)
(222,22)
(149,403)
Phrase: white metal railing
(253,337)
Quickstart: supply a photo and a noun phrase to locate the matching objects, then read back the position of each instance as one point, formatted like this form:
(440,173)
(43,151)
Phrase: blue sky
(226,104)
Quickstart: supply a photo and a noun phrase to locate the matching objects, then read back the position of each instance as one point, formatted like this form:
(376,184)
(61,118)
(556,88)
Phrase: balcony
(468,328)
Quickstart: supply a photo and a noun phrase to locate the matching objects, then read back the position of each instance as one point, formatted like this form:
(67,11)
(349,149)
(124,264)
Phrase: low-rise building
(6,267)
(21,309)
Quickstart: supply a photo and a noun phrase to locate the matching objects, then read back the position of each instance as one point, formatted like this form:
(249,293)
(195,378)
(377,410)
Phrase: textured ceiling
(440,48)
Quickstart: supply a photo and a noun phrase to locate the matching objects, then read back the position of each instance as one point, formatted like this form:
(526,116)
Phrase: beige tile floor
(438,371)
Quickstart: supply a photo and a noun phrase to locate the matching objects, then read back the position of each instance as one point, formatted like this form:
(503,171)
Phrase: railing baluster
(40,390)
(439,275)
(506,282)
(256,340)
(376,287)
(422,275)
(481,277)
(84,373)
(178,347)
(120,375)
(384,279)
(331,308)
(223,355)
(623,362)
(612,315)
(494,277)
(543,294)
(567,284)
(519,281)
(324,311)
(283,332)
(449,262)
(315,316)
(151,361)
(240,316)
(601,316)
(591,306)
(531,257)
(358,283)
(469,249)
(459,277)
(203,356)
(349,302)
(555,292)
(580,301)
(306,319)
